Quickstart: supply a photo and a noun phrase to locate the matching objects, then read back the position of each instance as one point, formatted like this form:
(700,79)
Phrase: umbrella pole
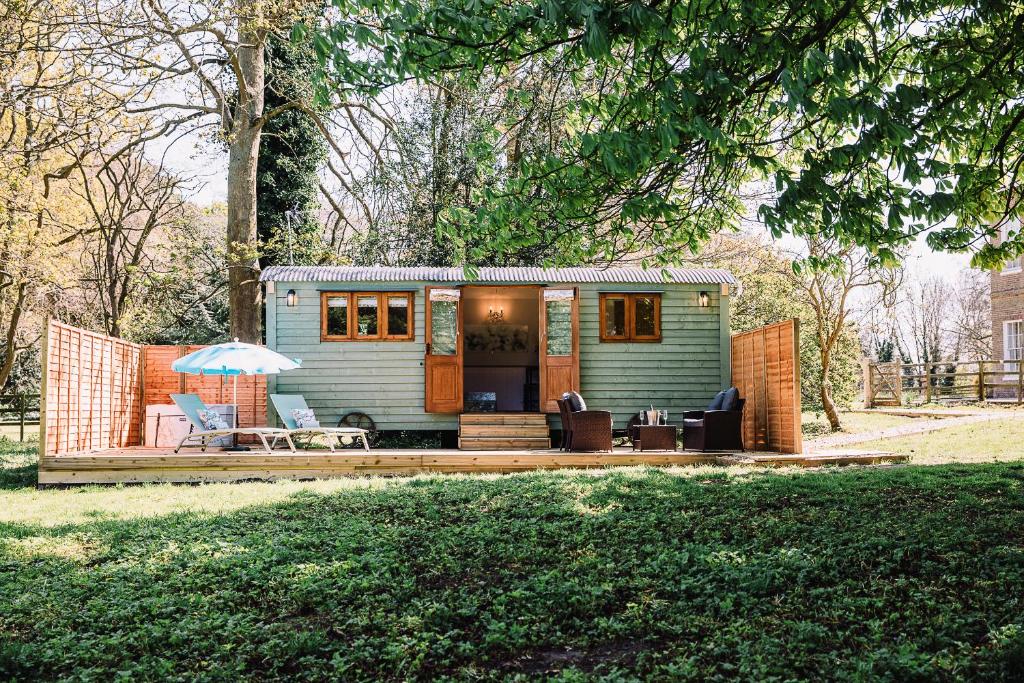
(235,446)
(234,408)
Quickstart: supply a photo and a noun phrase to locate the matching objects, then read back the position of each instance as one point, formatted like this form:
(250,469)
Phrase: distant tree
(826,280)
(185,297)
(292,151)
(129,200)
(201,66)
(971,319)
(885,351)
(923,318)
(447,145)
(47,102)
(771,293)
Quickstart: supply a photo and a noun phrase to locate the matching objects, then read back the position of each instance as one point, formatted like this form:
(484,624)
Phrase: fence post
(981,381)
(869,388)
(21,418)
(898,382)
(927,382)
(44,360)
(1020,382)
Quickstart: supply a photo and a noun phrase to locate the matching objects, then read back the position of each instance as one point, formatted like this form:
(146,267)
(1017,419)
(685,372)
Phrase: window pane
(644,316)
(337,316)
(398,316)
(1012,264)
(559,327)
(444,327)
(614,317)
(1014,339)
(366,316)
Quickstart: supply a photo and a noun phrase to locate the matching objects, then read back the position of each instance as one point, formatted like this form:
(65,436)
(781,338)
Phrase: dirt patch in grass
(619,654)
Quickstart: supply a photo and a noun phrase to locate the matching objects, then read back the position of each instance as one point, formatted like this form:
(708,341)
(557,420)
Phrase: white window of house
(1013,343)
(1012,266)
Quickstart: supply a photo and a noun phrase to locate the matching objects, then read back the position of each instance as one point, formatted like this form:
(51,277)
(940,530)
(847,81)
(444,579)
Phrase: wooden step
(511,431)
(493,443)
(503,419)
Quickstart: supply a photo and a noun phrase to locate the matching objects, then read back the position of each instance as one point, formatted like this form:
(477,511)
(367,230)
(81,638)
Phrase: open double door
(559,347)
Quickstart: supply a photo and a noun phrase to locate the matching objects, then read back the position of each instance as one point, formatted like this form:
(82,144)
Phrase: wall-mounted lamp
(291,298)
(705,299)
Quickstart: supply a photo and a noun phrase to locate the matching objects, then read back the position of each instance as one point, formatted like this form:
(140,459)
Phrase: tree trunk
(243,264)
(244,294)
(11,337)
(827,404)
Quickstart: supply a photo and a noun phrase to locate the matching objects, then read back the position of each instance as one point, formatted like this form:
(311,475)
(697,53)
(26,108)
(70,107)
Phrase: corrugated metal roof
(519,274)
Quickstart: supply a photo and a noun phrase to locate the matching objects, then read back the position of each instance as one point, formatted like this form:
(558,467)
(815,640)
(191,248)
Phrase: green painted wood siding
(385,379)
(680,373)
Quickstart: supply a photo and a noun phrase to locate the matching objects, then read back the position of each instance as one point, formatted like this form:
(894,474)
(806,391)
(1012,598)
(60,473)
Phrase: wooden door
(442,364)
(559,345)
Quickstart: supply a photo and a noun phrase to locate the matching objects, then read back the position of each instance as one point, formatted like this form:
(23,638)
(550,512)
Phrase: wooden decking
(136,465)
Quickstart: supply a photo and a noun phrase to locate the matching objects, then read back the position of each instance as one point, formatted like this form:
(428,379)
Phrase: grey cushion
(212,421)
(692,423)
(732,399)
(717,401)
(575,401)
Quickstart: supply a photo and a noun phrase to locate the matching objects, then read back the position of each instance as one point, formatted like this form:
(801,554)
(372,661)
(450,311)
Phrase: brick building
(1008,308)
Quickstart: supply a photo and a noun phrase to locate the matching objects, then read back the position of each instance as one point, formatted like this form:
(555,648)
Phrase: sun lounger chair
(191,405)
(284,404)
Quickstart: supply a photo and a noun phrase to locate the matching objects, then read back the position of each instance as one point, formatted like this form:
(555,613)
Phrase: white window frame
(1018,351)
(1014,266)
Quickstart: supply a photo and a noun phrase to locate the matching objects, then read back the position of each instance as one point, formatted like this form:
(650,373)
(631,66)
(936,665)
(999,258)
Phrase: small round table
(654,437)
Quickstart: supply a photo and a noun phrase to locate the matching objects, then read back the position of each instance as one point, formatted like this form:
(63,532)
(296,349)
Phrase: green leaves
(860,109)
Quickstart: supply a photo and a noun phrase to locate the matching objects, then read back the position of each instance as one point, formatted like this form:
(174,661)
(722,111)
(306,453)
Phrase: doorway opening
(501,336)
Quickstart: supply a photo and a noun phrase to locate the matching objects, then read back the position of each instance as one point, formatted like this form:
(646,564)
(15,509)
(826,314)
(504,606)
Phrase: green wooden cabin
(414,348)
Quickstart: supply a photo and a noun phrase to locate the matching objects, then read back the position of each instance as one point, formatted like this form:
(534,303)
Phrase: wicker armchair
(714,429)
(563,411)
(587,430)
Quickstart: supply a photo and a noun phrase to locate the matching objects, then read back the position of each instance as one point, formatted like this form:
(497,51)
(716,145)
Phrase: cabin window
(366,316)
(630,317)
(335,316)
(558,321)
(399,315)
(444,322)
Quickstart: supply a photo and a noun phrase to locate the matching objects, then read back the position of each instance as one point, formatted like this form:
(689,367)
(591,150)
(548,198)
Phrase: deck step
(503,419)
(494,443)
(503,431)
(513,430)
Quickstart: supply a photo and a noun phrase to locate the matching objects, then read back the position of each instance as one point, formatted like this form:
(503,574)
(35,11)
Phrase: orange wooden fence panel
(91,397)
(766,370)
(96,389)
(161,382)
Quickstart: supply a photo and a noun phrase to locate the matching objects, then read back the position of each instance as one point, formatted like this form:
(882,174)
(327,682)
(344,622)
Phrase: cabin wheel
(359,421)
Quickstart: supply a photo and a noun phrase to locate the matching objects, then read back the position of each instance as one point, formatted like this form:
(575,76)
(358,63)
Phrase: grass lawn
(907,573)
(816,424)
(1000,440)
(13,431)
